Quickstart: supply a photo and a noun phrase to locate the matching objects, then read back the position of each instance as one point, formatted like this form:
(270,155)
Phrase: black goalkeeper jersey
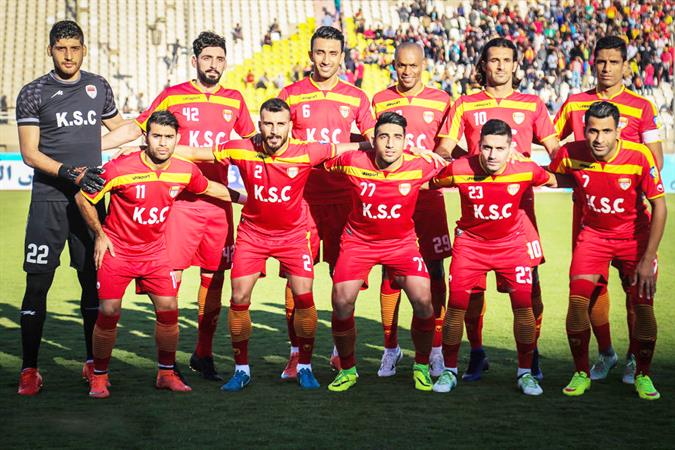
(69,115)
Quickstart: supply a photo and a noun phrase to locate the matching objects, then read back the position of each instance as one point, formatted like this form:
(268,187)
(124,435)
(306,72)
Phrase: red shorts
(472,259)
(253,249)
(401,257)
(330,221)
(200,236)
(533,242)
(431,227)
(153,276)
(593,254)
(314,239)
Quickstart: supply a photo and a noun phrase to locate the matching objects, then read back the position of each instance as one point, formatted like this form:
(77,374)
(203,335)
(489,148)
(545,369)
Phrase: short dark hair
(275,105)
(162,117)
(496,127)
(602,110)
(391,117)
(481,76)
(611,42)
(208,39)
(65,29)
(328,33)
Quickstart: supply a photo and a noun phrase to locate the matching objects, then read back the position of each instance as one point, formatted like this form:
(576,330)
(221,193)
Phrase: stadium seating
(130,42)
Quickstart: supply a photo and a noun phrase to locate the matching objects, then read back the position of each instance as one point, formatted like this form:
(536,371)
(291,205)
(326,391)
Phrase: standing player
(638,123)
(274,224)
(385,184)
(424,109)
(323,108)
(59,117)
(490,235)
(131,245)
(613,176)
(528,118)
(200,231)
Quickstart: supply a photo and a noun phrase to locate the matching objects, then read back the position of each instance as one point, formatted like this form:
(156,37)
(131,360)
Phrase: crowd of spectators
(555,40)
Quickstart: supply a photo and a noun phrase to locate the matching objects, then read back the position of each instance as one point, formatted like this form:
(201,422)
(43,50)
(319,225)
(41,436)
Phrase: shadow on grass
(376,413)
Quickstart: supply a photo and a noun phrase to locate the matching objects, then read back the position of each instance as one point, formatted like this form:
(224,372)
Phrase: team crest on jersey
(91,91)
(227,115)
(624,183)
(623,122)
(428,116)
(344,110)
(518,117)
(513,188)
(404,188)
(292,172)
(174,191)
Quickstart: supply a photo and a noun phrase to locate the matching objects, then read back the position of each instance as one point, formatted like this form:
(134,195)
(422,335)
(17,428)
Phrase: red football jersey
(491,203)
(204,120)
(327,116)
(274,183)
(638,123)
(383,202)
(141,199)
(526,114)
(424,111)
(613,190)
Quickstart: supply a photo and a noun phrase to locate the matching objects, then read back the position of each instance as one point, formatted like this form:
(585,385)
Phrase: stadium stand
(140,46)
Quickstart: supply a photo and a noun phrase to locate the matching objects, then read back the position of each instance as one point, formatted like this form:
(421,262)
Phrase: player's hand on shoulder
(87,178)
(429,156)
(127,150)
(517,156)
(101,245)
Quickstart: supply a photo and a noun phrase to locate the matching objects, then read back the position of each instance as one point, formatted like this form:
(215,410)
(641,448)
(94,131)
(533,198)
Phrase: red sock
(104,336)
(578,322)
(600,318)
(210,292)
(633,344)
(290,309)
(390,299)
(537,309)
(438,300)
(344,336)
(473,320)
(453,326)
(239,321)
(422,332)
(166,337)
(304,322)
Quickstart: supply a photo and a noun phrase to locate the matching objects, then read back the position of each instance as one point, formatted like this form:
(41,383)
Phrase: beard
(274,148)
(206,80)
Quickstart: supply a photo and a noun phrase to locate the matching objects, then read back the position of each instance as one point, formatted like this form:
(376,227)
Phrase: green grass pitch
(376,413)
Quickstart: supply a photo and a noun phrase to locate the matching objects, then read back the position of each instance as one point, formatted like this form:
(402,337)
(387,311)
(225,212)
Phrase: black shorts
(50,224)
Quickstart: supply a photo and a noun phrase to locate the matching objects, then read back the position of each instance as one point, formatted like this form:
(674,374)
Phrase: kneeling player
(130,245)
(380,230)
(491,235)
(613,176)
